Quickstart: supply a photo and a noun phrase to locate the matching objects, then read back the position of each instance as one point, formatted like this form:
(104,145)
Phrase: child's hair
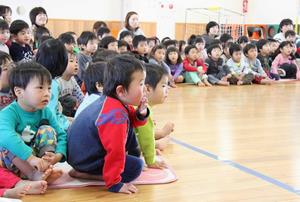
(155,39)
(102,30)
(155,48)
(234,48)
(181,44)
(228,44)
(289,33)
(122,43)
(99,24)
(3,25)
(127,25)
(211,47)
(225,37)
(283,44)
(271,40)
(170,43)
(165,39)
(52,54)
(85,37)
(248,47)
(119,71)
(124,34)
(44,38)
(106,41)
(24,72)
(189,48)
(210,25)
(154,74)
(191,39)
(3,10)
(243,39)
(66,38)
(93,74)
(40,31)
(17,26)
(34,12)
(3,58)
(137,39)
(284,22)
(173,49)
(103,55)
(261,43)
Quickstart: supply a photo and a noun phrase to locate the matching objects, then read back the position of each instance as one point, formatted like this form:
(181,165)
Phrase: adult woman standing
(132,24)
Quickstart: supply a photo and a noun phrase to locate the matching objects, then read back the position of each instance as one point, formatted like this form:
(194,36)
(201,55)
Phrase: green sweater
(17,124)
(146,139)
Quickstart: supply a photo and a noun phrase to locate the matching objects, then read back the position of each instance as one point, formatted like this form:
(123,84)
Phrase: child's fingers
(132,188)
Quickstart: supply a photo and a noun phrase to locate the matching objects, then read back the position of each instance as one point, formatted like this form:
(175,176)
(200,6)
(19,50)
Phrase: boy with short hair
(20,47)
(108,128)
(140,48)
(88,45)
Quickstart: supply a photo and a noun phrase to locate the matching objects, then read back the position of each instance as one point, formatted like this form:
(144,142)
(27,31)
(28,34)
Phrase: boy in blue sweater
(31,141)
(101,141)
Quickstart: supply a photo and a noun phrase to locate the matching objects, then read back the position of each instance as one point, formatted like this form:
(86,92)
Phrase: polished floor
(238,143)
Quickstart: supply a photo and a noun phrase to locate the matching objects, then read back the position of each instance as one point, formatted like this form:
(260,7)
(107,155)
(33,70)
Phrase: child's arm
(138,117)
(178,71)
(275,64)
(77,92)
(9,138)
(261,71)
(112,131)
(201,63)
(188,67)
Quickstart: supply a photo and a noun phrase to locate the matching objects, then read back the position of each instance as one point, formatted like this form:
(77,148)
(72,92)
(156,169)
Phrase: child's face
(151,44)
(35,96)
(91,46)
(128,39)
(286,28)
(23,37)
(214,30)
(113,46)
(135,92)
(70,47)
(7,17)
(216,53)
(226,51)
(123,49)
(72,67)
(4,75)
(266,49)
(173,57)
(274,46)
(142,48)
(193,54)
(160,93)
(237,56)
(286,50)
(200,46)
(160,54)
(291,38)
(4,36)
(41,19)
(252,53)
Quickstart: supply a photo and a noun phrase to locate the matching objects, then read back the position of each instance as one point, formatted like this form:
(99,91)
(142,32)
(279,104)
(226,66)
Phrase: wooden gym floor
(229,144)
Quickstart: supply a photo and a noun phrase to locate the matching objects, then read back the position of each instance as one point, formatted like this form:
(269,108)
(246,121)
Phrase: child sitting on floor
(109,143)
(31,139)
(6,96)
(195,69)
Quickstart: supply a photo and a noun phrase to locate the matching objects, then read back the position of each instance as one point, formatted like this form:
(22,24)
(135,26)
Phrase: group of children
(88,101)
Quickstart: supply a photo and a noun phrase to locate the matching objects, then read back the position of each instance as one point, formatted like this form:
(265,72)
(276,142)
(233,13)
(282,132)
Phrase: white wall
(266,11)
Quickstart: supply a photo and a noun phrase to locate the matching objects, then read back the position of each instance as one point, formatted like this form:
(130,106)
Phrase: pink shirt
(281,59)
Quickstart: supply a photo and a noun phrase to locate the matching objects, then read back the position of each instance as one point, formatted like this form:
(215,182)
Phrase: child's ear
(148,88)
(18,91)
(121,91)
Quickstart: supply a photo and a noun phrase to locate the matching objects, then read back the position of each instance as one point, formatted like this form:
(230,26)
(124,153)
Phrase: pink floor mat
(150,176)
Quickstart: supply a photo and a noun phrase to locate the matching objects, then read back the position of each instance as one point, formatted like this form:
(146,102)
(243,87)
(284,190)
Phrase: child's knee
(46,140)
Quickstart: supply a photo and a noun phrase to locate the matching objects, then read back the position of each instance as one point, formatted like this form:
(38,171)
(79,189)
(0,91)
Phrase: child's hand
(143,106)
(38,163)
(168,128)
(158,165)
(128,188)
(52,158)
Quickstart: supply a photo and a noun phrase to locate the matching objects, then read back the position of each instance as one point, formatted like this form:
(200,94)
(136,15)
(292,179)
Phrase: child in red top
(195,69)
